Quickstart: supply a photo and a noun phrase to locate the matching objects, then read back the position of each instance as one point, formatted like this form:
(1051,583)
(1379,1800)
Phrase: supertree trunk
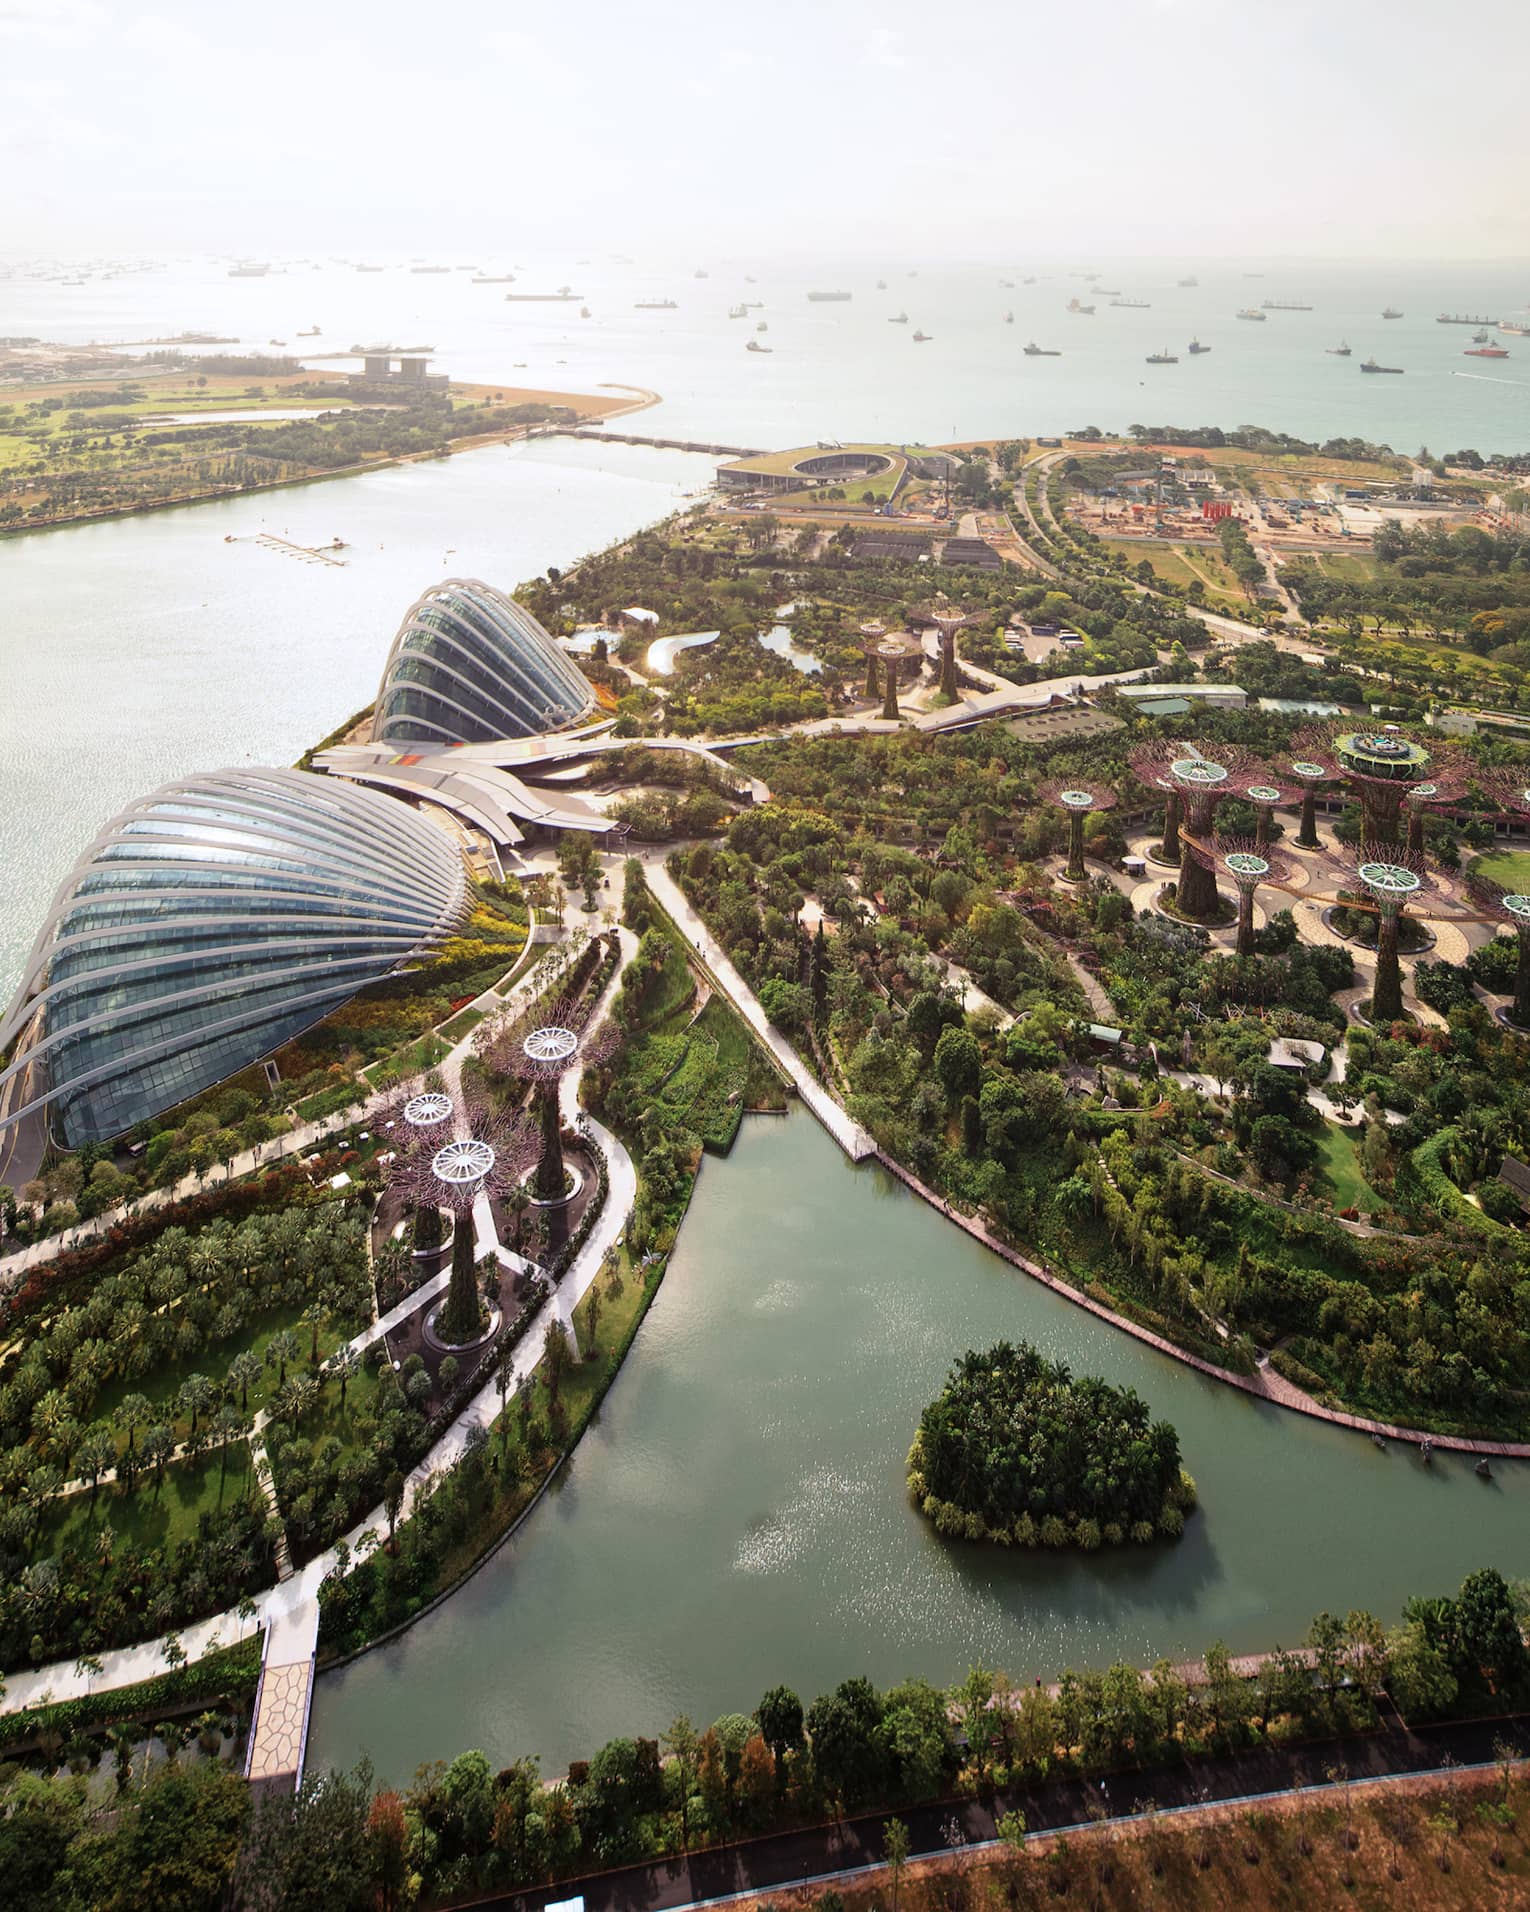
(1169,848)
(1382,810)
(1386,1002)
(1307,836)
(873,682)
(1262,815)
(461,1320)
(1521,1010)
(1076,847)
(948,665)
(550,1171)
(1245,922)
(1415,831)
(890,699)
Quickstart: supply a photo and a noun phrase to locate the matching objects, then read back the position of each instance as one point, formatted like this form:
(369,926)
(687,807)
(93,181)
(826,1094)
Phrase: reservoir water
(736,1516)
(139,649)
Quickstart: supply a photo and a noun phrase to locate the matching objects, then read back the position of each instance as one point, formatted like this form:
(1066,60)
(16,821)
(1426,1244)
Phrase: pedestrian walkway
(851,1137)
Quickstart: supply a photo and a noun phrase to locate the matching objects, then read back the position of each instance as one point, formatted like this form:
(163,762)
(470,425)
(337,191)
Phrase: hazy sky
(1182,127)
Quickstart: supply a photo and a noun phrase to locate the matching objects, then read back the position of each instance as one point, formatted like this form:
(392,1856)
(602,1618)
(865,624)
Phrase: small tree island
(1014,1450)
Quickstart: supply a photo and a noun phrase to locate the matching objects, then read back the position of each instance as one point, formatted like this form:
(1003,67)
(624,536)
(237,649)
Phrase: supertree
(948,619)
(1267,789)
(1392,879)
(1382,767)
(1246,863)
(1504,906)
(1310,773)
(451,1164)
(872,631)
(541,1048)
(423,1116)
(1200,783)
(889,648)
(1076,800)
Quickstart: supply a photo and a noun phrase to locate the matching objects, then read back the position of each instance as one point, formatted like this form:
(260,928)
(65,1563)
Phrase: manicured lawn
(159,1388)
(1343,1182)
(148,1517)
(1511,868)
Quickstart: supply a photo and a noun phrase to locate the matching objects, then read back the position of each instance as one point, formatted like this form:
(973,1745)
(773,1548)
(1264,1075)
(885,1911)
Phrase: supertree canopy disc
(1308,771)
(550,1045)
(1390,883)
(1076,799)
(1518,907)
(462,1163)
(1381,754)
(1198,773)
(428,1111)
(1243,866)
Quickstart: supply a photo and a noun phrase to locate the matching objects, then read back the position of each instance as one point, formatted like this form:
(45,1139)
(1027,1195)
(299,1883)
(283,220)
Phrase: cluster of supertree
(1396,780)
(1195,786)
(889,650)
(541,1047)
(446,1159)
(948,619)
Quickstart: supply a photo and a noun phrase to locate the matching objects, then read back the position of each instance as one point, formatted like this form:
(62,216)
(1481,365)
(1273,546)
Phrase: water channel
(736,1516)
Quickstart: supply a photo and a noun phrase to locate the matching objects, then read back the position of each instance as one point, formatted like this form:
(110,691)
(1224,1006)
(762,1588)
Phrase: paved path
(851,1137)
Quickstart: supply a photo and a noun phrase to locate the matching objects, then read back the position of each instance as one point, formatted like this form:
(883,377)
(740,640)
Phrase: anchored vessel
(1196,348)
(653,305)
(1391,313)
(1341,350)
(1162,358)
(1486,351)
(923,338)
(821,298)
(1033,350)
(563,296)
(1370,365)
(1252,312)
(1284,305)
(1463,318)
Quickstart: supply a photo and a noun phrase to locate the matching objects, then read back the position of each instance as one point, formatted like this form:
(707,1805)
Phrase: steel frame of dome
(469,665)
(206,925)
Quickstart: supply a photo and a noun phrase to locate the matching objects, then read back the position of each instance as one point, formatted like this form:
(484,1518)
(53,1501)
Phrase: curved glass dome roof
(205,926)
(470,666)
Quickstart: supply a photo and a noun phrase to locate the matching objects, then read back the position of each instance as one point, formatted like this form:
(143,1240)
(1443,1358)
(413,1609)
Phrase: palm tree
(195,1397)
(158,1446)
(243,1372)
(280,1349)
(98,1451)
(229,1428)
(128,1416)
(344,1365)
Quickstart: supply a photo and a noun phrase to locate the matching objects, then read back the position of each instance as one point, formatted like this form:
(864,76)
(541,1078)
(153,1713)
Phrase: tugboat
(754,345)
(1370,365)
(1009,318)
(311,333)
(1391,313)
(1486,351)
(923,338)
(1480,338)
(900,318)
(1033,350)
(1196,348)
(1341,350)
(1252,312)
(1162,358)
(1084,311)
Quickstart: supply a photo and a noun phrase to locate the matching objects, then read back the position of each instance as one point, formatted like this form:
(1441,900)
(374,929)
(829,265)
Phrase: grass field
(1346,566)
(1342,1180)
(1511,868)
(150,1516)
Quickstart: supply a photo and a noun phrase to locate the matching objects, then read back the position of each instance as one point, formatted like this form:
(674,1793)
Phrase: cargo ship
(487,278)
(1033,350)
(1514,329)
(1391,312)
(248,271)
(1084,311)
(653,305)
(738,312)
(1341,350)
(1196,348)
(430,268)
(563,296)
(898,318)
(1132,305)
(829,298)
(1284,305)
(1463,318)
(1251,312)
(1162,358)
(1370,365)
(1486,351)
